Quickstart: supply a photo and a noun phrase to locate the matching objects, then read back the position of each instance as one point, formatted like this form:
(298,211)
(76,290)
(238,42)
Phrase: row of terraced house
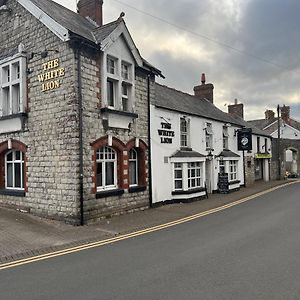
(86,132)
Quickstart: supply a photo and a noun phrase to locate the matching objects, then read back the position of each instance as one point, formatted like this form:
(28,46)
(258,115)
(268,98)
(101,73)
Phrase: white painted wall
(287,132)
(161,166)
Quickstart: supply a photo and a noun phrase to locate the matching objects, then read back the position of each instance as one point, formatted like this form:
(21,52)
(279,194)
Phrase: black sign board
(244,136)
(223,183)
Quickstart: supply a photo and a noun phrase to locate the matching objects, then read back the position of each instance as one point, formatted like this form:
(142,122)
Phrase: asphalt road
(250,251)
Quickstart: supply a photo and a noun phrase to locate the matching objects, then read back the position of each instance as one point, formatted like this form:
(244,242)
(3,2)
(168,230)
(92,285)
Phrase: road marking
(135,234)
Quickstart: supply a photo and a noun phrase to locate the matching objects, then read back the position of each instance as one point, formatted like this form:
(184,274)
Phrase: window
(225,137)
(222,168)
(258,144)
(178,176)
(12,85)
(232,170)
(125,71)
(184,135)
(125,96)
(14,170)
(194,175)
(187,176)
(106,159)
(111,65)
(133,167)
(266,145)
(120,84)
(110,93)
(208,136)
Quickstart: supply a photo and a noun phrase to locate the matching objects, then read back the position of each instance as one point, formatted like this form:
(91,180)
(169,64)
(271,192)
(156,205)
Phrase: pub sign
(244,139)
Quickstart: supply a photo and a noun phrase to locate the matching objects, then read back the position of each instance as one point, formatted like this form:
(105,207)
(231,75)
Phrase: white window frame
(225,137)
(107,151)
(13,162)
(208,136)
(233,170)
(184,132)
(14,81)
(118,78)
(197,177)
(186,168)
(134,159)
(177,167)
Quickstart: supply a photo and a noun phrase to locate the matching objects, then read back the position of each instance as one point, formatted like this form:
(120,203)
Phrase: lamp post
(278,142)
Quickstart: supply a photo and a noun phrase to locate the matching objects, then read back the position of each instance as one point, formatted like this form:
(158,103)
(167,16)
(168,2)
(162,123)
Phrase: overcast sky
(249,49)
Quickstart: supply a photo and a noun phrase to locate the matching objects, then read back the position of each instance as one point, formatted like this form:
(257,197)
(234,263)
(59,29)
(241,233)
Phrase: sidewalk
(23,235)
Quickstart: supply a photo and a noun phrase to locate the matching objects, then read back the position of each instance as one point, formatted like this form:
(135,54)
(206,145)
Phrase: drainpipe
(149,143)
(78,58)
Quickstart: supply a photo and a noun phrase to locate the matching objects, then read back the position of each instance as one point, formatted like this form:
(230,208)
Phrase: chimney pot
(203,78)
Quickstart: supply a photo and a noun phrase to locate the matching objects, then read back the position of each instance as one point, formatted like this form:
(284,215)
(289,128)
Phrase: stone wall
(51,129)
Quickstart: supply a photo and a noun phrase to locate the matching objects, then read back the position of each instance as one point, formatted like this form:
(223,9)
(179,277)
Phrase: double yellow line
(133,234)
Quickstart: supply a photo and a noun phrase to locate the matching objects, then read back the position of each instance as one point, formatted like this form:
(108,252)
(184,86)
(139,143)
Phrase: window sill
(136,189)
(14,193)
(12,123)
(188,192)
(109,193)
(234,182)
(118,118)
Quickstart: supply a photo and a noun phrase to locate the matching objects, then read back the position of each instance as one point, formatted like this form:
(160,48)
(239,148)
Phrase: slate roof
(228,153)
(67,18)
(187,153)
(172,99)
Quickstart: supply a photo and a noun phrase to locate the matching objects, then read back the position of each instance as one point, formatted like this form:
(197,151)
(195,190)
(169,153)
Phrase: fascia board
(121,29)
(51,24)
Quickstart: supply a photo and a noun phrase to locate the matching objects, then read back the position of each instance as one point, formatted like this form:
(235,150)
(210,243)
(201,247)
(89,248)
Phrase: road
(250,251)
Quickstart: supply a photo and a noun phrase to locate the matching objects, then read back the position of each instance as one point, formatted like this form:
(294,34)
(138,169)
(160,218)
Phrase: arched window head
(14,170)
(133,168)
(106,159)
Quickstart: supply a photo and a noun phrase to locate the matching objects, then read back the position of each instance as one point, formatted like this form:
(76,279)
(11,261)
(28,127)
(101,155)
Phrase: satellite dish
(2,2)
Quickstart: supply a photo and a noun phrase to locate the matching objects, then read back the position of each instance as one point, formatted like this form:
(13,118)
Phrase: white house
(192,143)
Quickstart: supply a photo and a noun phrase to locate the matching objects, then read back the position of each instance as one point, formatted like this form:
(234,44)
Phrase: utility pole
(278,142)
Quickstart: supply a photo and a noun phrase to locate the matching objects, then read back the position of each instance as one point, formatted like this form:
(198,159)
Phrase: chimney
(205,90)
(285,113)
(269,114)
(91,9)
(236,109)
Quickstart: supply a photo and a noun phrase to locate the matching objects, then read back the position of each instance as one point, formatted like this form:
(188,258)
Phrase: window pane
(99,174)
(132,172)
(15,98)
(17,175)
(125,104)
(109,173)
(178,184)
(110,93)
(9,156)
(9,175)
(6,101)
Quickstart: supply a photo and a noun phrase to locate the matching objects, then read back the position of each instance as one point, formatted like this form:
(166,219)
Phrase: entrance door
(208,175)
(258,169)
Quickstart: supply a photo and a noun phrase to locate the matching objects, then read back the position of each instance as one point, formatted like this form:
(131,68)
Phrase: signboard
(166,133)
(244,137)
(263,155)
(223,183)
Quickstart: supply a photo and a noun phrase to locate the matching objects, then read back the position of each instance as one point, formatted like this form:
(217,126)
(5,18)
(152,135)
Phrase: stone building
(286,149)
(74,99)
(258,160)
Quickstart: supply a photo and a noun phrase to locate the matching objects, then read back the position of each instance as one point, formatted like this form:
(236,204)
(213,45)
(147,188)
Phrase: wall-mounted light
(210,155)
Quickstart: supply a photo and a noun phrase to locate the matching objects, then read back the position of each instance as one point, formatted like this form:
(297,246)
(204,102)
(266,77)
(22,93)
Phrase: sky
(249,49)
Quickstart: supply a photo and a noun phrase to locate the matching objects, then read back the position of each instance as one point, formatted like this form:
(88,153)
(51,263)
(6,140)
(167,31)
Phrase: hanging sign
(244,139)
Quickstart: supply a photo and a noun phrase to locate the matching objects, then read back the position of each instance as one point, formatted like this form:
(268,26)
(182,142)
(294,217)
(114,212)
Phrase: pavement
(23,235)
